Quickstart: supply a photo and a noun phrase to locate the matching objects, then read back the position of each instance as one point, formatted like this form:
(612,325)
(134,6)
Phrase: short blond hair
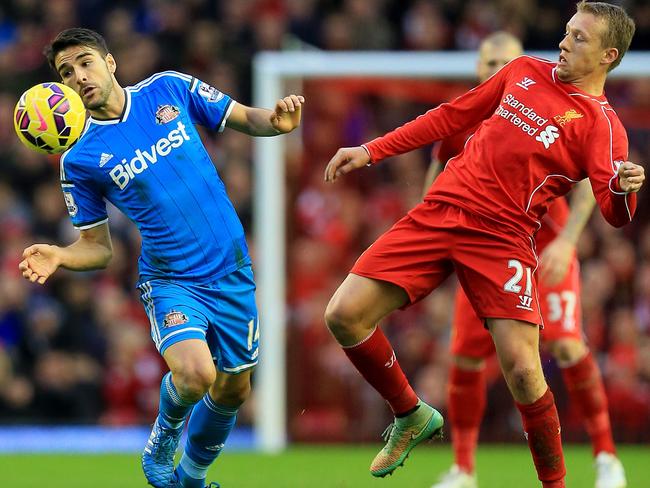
(500,39)
(620,26)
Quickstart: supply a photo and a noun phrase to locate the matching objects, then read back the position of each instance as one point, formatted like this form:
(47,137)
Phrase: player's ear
(110,62)
(609,55)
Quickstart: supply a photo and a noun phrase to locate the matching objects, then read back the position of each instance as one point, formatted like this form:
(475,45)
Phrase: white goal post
(270,71)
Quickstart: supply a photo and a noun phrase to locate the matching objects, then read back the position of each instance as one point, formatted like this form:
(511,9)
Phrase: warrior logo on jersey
(69,202)
(210,93)
(174,317)
(166,113)
(525,302)
(526,83)
(568,116)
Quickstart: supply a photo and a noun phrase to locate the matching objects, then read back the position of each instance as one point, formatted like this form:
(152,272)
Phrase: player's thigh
(497,272)
(561,307)
(234,331)
(364,300)
(469,337)
(515,341)
(414,254)
(176,313)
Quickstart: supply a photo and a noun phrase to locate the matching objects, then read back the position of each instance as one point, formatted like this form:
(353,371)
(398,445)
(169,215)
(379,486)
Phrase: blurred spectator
(425,28)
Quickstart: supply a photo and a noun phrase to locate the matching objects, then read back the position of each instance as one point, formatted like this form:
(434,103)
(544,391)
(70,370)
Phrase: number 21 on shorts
(514,285)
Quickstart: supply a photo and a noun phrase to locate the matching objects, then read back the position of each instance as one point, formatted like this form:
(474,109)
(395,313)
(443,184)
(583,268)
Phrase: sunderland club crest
(166,113)
(174,317)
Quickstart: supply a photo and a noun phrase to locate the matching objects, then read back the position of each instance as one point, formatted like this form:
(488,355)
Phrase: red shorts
(495,267)
(560,306)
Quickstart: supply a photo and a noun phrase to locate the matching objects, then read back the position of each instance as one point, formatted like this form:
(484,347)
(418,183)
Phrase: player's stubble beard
(568,74)
(563,75)
(101,99)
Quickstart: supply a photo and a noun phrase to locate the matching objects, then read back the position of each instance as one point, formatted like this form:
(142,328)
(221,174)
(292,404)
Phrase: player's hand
(345,160)
(286,115)
(555,260)
(39,262)
(630,177)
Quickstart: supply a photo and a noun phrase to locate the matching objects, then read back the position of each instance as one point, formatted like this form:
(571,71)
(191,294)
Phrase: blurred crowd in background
(78,349)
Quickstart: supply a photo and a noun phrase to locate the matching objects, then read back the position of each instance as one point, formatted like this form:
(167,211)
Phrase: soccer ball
(49,118)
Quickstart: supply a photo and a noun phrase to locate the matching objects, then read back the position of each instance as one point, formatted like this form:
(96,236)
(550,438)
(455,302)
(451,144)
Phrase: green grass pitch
(315,467)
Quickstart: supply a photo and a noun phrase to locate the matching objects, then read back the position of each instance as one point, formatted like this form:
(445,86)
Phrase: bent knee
(193,381)
(524,377)
(568,352)
(468,363)
(341,317)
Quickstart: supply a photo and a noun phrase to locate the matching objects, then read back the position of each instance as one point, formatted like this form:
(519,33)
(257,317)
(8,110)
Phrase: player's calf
(542,430)
(158,454)
(210,424)
(517,345)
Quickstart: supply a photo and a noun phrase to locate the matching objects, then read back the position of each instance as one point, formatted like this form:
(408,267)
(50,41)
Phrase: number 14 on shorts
(513,285)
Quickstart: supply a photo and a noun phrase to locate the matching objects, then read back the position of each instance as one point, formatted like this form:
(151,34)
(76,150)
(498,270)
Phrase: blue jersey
(151,164)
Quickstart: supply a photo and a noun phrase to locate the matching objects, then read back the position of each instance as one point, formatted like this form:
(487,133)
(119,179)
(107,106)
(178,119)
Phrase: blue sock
(172,408)
(207,431)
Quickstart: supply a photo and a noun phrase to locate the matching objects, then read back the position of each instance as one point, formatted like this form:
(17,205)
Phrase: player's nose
(563,45)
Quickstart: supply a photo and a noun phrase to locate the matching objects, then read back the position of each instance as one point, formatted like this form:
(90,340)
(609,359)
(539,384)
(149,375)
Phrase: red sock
(375,359)
(542,427)
(554,484)
(466,403)
(586,390)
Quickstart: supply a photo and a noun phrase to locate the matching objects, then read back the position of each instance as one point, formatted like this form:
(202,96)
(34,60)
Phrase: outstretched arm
(93,250)
(558,254)
(263,122)
(460,115)
(456,117)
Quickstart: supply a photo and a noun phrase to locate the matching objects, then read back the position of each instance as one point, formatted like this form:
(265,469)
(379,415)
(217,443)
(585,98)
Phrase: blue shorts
(222,313)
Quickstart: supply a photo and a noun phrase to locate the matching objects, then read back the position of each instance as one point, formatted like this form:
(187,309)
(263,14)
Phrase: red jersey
(552,222)
(537,137)
(453,145)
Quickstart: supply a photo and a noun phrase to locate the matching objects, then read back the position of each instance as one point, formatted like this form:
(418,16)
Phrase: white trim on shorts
(187,329)
(239,369)
(150,309)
